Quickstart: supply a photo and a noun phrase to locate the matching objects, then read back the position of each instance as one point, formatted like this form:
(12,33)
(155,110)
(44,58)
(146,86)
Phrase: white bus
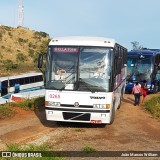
(20,83)
(84,80)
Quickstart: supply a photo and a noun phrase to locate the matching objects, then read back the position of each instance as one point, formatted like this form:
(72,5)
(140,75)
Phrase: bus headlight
(50,103)
(101,106)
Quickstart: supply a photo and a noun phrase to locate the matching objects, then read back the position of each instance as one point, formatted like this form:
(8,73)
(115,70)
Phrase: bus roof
(20,76)
(83,41)
(145,52)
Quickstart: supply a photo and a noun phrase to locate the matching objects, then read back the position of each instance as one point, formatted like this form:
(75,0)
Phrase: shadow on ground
(128,100)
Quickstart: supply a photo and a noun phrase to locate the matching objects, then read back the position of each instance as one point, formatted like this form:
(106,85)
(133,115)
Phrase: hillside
(19,48)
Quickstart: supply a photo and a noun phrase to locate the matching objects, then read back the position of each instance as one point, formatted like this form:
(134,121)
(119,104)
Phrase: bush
(26,104)
(30,44)
(21,57)
(88,149)
(31,53)
(9,65)
(20,40)
(30,104)
(40,34)
(39,102)
(153,106)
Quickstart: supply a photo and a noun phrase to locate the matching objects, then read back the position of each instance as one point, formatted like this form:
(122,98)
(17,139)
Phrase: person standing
(136,91)
(144,90)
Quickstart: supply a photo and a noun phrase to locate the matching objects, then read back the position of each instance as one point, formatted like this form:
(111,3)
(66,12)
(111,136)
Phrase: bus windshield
(132,65)
(144,65)
(78,68)
(144,68)
(141,66)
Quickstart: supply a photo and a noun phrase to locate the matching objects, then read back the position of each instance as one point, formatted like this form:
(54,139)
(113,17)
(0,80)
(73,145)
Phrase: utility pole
(20,13)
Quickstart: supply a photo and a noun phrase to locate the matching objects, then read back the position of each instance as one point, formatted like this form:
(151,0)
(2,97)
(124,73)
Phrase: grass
(41,151)
(153,106)
(30,104)
(88,149)
(27,104)
(6,111)
(31,147)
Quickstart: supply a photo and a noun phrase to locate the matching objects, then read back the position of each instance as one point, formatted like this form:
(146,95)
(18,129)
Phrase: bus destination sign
(66,49)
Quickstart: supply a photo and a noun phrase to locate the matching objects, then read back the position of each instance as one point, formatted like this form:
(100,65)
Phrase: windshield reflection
(95,68)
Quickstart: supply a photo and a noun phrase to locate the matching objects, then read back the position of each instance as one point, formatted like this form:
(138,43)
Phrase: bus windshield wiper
(72,78)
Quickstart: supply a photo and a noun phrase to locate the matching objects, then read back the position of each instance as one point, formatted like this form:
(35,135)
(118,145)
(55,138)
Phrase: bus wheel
(113,115)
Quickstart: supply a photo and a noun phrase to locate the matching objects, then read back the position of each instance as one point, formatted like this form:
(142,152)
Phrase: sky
(125,21)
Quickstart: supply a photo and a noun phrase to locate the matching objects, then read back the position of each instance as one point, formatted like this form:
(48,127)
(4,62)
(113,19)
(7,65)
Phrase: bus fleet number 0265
(54,96)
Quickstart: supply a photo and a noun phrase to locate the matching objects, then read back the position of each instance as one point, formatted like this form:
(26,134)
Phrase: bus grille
(76,116)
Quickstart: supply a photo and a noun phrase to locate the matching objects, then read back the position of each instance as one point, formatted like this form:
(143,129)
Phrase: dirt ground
(134,129)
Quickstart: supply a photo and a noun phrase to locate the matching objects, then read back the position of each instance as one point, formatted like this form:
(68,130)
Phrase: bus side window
(5,84)
(4,87)
(119,61)
(26,80)
(40,78)
(115,62)
(13,82)
(32,79)
(21,81)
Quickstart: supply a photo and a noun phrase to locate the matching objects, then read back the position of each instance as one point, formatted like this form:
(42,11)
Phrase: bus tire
(113,114)
(121,98)
(119,104)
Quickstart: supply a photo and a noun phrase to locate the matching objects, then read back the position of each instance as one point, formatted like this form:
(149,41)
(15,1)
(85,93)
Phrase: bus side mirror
(40,60)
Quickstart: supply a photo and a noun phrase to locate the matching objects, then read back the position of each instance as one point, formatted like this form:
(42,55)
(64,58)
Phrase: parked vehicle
(144,65)
(20,83)
(84,80)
